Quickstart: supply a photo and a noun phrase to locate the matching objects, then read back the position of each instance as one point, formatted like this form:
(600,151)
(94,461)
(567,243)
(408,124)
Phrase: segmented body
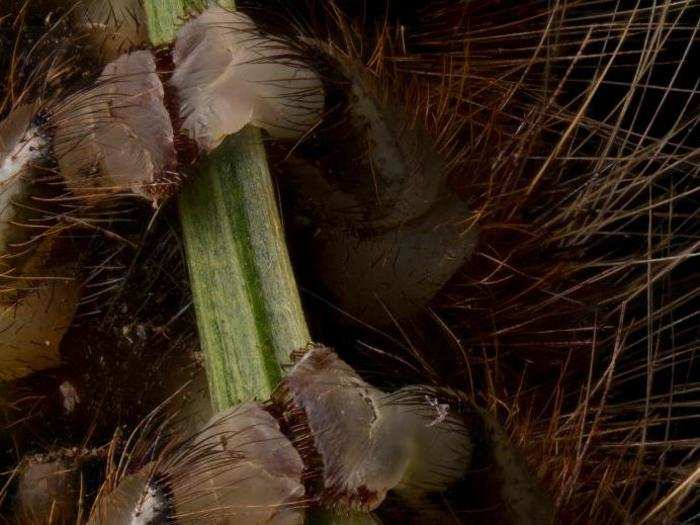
(390,232)
(326,439)
(384,208)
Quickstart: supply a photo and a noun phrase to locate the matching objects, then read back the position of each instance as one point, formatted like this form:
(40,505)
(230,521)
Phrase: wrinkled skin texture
(252,472)
(239,469)
(228,76)
(371,442)
(116,136)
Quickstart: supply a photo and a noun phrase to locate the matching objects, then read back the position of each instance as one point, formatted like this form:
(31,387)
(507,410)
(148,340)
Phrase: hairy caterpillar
(285,97)
(242,467)
(38,301)
(586,210)
(115,136)
(127,107)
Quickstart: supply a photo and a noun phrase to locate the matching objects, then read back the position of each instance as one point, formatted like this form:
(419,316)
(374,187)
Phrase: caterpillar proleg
(492,211)
(327,439)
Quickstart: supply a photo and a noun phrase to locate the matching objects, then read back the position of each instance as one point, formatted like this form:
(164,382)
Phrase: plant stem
(246,301)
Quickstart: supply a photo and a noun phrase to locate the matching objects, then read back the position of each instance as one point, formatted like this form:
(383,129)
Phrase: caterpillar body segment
(117,136)
(120,136)
(572,308)
(239,468)
(228,75)
(370,442)
(40,287)
(389,162)
(259,475)
(369,272)
(340,411)
(37,304)
(369,182)
(325,440)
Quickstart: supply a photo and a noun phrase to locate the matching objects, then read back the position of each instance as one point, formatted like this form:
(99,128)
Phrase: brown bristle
(565,133)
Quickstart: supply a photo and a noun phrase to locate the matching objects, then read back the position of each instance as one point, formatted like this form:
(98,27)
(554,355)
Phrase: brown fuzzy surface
(569,128)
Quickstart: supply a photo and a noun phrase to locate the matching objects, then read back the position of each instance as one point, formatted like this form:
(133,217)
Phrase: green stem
(248,310)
